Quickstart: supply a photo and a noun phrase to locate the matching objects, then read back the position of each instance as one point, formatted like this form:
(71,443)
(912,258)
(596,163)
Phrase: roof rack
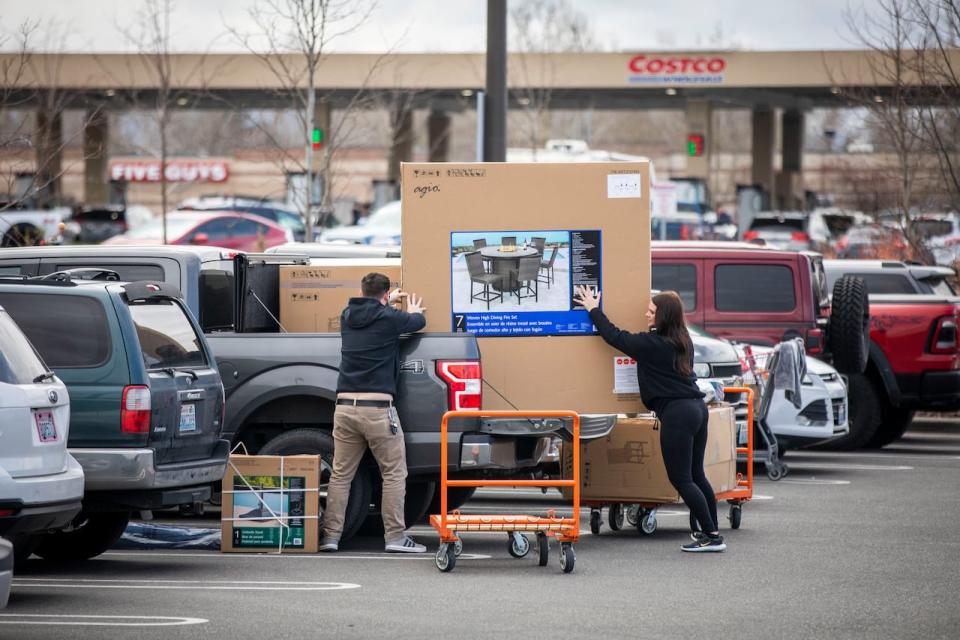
(32,280)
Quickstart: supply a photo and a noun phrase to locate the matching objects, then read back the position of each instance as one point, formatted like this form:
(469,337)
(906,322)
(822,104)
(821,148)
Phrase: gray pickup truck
(280,388)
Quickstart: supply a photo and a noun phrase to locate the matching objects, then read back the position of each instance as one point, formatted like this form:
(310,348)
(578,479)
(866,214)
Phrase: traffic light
(695,145)
(316,138)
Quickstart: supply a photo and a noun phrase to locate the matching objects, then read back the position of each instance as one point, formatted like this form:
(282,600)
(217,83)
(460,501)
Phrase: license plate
(188,418)
(46,428)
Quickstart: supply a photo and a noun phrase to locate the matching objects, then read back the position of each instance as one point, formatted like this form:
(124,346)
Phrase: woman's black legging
(683,439)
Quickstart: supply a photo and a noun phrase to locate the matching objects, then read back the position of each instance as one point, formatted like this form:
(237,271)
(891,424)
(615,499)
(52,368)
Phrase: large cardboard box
(260,493)
(539,351)
(627,464)
(312,297)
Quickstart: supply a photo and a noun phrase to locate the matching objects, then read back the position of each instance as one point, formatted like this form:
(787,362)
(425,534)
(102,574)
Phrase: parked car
(780,230)
(277,212)
(41,484)
(757,295)
(914,362)
(381,228)
(941,233)
(147,402)
(823,413)
(872,241)
(91,225)
(280,387)
(240,231)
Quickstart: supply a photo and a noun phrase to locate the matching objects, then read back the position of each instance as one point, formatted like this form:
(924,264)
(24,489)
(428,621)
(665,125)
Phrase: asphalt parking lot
(849,545)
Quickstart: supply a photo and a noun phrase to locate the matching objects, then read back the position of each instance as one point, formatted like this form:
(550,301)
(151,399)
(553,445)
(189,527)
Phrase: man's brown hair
(374,285)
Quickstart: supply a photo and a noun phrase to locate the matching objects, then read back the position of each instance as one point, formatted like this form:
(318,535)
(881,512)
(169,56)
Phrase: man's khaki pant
(354,429)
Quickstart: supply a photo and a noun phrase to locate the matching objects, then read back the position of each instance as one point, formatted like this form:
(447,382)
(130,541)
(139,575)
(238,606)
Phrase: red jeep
(759,295)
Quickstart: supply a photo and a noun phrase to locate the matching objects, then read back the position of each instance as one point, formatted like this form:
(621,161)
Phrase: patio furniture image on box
(539,243)
(547,267)
(528,273)
(508,241)
(479,276)
(479,243)
(506,263)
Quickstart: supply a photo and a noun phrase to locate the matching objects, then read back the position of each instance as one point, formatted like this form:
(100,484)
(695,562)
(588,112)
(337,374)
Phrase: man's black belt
(381,404)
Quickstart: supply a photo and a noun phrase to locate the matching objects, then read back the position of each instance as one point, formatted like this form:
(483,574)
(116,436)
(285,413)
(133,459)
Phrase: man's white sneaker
(330,546)
(404,545)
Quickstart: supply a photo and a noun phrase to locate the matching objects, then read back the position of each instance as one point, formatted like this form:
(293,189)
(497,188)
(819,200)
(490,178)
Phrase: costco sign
(683,69)
(176,171)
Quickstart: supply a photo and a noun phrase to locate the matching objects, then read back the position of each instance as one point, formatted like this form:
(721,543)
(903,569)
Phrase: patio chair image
(528,273)
(479,243)
(479,276)
(508,241)
(547,267)
(539,244)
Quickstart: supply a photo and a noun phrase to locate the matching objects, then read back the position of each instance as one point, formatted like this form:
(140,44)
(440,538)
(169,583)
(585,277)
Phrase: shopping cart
(760,365)
(643,515)
(565,530)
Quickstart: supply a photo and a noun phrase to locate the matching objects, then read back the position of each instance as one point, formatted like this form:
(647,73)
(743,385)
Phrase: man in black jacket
(370,329)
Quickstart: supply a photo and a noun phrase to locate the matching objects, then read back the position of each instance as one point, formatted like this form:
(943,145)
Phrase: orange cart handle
(748,450)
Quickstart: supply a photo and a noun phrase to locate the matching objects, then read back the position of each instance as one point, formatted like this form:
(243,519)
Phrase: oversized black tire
(419,495)
(850,325)
(23,547)
(315,441)
(89,535)
(456,498)
(865,404)
(21,235)
(893,424)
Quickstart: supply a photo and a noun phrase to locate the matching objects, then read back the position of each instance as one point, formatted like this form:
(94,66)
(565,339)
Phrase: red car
(240,231)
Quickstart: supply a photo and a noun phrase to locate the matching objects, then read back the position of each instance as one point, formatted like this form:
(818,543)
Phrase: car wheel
(865,403)
(317,442)
(89,535)
(456,498)
(418,498)
(893,425)
(850,325)
(23,547)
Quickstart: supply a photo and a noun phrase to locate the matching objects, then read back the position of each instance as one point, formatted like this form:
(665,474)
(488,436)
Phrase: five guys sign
(176,171)
(676,69)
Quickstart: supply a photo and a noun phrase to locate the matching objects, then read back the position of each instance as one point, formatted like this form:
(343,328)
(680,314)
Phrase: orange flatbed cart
(643,515)
(565,530)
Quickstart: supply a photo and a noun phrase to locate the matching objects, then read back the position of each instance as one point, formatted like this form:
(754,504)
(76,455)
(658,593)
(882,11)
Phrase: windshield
(167,338)
(773,224)
(176,227)
(932,228)
(19,363)
(941,287)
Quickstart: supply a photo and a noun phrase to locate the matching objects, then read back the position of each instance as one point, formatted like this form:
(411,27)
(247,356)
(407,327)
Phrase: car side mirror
(201,238)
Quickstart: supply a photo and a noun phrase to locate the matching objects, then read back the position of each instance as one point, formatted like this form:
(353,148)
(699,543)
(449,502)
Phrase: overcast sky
(459,25)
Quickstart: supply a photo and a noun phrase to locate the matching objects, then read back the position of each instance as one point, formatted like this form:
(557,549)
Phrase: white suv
(41,484)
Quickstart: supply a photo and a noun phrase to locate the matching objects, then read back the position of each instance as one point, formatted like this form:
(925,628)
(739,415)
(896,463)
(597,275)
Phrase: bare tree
(538,27)
(291,40)
(892,35)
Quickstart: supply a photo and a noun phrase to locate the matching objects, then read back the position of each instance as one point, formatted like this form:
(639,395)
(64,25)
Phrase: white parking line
(813,481)
(204,585)
(850,467)
(57,619)
(297,556)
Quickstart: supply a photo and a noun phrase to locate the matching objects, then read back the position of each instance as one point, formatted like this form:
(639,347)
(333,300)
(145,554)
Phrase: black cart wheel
(543,549)
(458,547)
(774,473)
(595,522)
(567,557)
(735,512)
(632,514)
(519,545)
(615,516)
(647,524)
(446,558)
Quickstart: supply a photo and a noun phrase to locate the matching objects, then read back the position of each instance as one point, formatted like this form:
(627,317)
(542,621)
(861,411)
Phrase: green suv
(146,399)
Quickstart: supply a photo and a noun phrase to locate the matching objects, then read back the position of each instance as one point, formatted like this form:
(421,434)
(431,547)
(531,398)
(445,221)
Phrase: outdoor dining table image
(506,262)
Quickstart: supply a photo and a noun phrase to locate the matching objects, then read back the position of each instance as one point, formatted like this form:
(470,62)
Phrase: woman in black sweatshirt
(668,387)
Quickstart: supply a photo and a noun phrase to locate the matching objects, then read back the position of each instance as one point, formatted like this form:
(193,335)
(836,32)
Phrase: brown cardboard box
(312,298)
(627,464)
(252,489)
(596,214)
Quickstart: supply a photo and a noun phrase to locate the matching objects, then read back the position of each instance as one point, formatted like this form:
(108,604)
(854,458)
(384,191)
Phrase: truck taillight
(814,341)
(751,235)
(135,409)
(464,383)
(944,336)
(800,236)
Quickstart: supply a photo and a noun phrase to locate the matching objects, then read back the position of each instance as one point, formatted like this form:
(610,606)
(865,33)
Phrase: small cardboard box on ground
(259,493)
(312,297)
(627,464)
(539,229)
